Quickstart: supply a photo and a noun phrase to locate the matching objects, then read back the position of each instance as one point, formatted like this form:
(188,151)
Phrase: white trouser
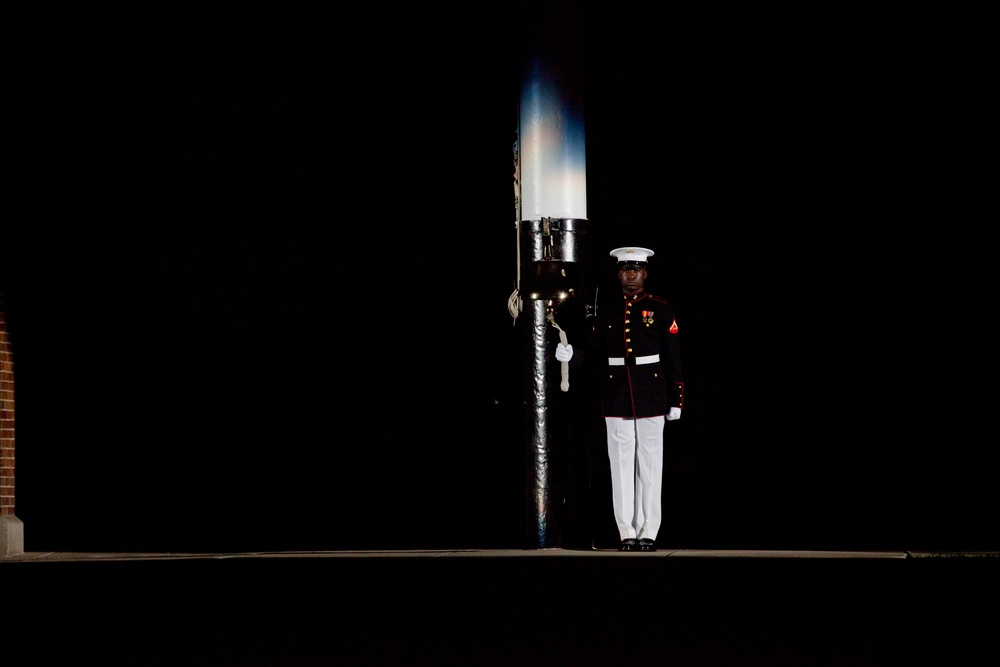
(636,480)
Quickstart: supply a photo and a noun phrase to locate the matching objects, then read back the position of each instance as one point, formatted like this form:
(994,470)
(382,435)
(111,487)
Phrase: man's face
(632,277)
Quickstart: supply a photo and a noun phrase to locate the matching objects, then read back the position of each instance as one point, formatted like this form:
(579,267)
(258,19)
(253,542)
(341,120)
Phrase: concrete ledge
(691,554)
(53,556)
(11,536)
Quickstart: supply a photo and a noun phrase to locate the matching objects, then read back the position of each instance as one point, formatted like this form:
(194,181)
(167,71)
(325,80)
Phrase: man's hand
(564,352)
(674,414)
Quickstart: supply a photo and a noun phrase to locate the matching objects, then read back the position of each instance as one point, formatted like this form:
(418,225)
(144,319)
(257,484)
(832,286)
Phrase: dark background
(257,263)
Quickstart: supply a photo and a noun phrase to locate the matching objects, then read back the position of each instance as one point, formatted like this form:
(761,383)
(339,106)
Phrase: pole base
(11,536)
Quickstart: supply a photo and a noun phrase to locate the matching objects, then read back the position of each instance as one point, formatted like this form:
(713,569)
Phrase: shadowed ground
(482,607)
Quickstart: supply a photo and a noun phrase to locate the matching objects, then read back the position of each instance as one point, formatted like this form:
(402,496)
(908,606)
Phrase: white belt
(639,361)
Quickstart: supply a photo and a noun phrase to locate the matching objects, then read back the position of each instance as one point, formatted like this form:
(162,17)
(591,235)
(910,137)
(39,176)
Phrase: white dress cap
(632,254)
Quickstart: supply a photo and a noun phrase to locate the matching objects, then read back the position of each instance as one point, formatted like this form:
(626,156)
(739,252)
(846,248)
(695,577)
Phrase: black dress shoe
(646,544)
(630,544)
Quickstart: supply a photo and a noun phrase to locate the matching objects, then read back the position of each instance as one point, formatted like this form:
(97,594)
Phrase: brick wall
(6,418)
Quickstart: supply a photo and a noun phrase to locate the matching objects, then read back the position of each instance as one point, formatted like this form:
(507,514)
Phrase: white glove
(675,413)
(564,352)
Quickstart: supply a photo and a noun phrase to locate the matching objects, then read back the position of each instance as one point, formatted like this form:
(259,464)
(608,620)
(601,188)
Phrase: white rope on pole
(564,385)
(514,302)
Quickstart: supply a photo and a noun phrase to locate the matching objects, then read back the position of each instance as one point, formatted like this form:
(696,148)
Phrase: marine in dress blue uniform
(642,388)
